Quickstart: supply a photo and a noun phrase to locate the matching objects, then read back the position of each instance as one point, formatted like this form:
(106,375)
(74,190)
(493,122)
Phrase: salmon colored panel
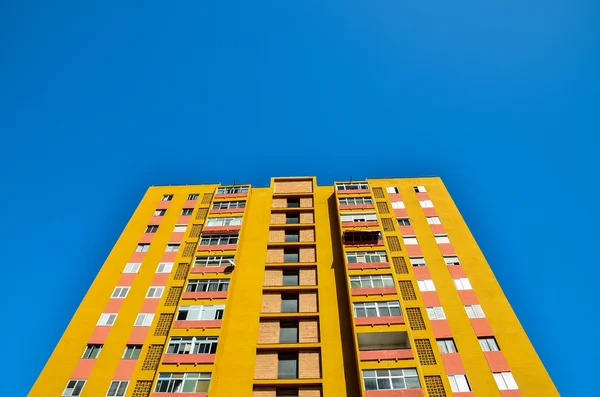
(422,273)
(168,257)
(438,229)
(177,237)
(205,295)
(150,305)
(182,394)
(162,205)
(431,298)
(374,291)
(453,364)
(231,195)
(197,324)
(447,249)
(113,305)
(375,355)
(394,197)
(400,213)
(360,224)
(429,212)
(511,393)
(386,320)
(496,361)
(155,220)
(160,279)
(414,250)
(407,231)
(372,265)
(190,203)
(138,335)
(357,207)
(457,271)
(463,394)
(137,257)
(481,327)
(99,335)
(390,393)
(83,369)
(221,229)
(188,359)
(422,196)
(126,279)
(226,247)
(357,191)
(125,370)
(206,270)
(441,328)
(146,238)
(227,211)
(468,297)
(184,219)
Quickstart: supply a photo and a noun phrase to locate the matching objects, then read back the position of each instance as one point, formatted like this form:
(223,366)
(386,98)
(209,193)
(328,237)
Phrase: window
(144,320)
(377,309)
(291,255)
(142,248)
(213,261)
(290,277)
(419,189)
(225,239)
(167,197)
(159,213)
(436,313)
(225,205)
(187,211)
(182,382)
(418,262)
(446,346)
(292,236)
(193,345)
(462,283)
(403,221)
(292,218)
(117,388)
(155,292)
(489,344)
(356,201)
(164,267)
(172,247)
(505,381)
(451,260)
(293,203)
(73,388)
(180,229)
(434,220)
(359,217)
(289,303)
(398,205)
(366,257)
(426,285)
(201,312)
(120,292)
(442,240)
(286,393)
(107,319)
(207,285)
(391,379)
(288,332)
(193,196)
(233,190)
(426,204)
(459,383)
(391,189)
(151,229)
(374,281)
(410,240)
(92,351)
(132,352)
(287,365)
(132,267)
(474,311)
(352,186)
(225,221)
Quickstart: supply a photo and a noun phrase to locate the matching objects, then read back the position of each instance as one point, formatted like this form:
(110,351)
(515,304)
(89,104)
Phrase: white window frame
(192,345)
(223,239)
(207,285)
(160,212)
(436,313)
(489,344)
(144,320)
(392,373)
(419,189)
(434,220)
(142,248)
(225,205)
(69,393)
(417,261)
(505,381)
(355,201)
(233,190)
(366,257)
(151,229)
(201,312)
(167,197)
(404,220)
(213,261)
(92,350)
(459,383)
(359,217)
(164,267)
(378,306)
(132,268)
(426,203)
(120,292)
(398,205)
(193,196)
(451,261)
(118,391)
(107,319)
(172,247)
(447,346)
(372,281)
(225,221)
(352,186)
(474,311)
(391,189)
(426,285)
(155,292)
(184,212)
(410,240)
(180,228)
(175,381)
(442,239)
(462,284)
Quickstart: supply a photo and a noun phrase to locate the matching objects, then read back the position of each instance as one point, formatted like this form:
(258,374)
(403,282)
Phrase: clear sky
(99,100)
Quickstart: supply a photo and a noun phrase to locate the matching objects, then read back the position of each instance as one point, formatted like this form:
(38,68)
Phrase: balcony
(362,238)
(378,346)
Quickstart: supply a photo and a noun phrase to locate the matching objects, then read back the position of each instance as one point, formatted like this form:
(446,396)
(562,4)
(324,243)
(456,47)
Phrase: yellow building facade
(373,288)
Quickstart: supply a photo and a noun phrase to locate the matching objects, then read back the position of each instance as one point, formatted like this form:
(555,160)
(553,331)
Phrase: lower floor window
(117,388)
(390,379)
(73,388)
(183,382)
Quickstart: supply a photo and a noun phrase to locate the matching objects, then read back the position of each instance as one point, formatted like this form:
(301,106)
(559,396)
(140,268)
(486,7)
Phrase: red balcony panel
(496,361)
(99,335)
(422,196)
(138,335)
(188,359)
(205,295)
(393,393)
(396,354)
(468,297)
(177,237)
(441,329)
(414,250)
(195,324)
(125,370)
(395,197)
(169,257)
(155,220)
(233,195)
(447,249)
(190,203)
(357,207)
(453,364)
(146,238)
(510,393)
(387,320)
(400,213)
(372,265)
(357,191)
(429,212)
(160,279)
(481,326)
(438,229)
(84,368)
(137,257)
(431,298)
(422,273)
(225,247)
(407,230)
(457,271)
(184,219)
(227,211)
(162,205)
(150,305)
(220,229)
(209,270)
(114,305)
(126,279)
(204,394)
(360,224)
(374,291)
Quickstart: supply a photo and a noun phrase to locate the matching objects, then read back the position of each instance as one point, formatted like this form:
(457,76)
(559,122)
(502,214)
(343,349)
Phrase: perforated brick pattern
(202,212)
(153,357)
(207,198)
(195,231)
(400,265)
(173,296)
(415,318)
(388,224)
(188,250)
(142,388)
(164,324)
(407,290)
(383,208)
(394,243)
(425,352)
(435,386)
(182,271)
(378,192)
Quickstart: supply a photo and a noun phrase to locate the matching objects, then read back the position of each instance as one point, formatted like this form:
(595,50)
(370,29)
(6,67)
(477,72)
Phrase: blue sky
(500,99)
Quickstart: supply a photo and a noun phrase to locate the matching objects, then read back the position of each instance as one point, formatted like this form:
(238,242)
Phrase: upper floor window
(219,240)
(144,320)
(167,197)
(225,221)
(373,281)
(474,311)
(159,213)
(151,229)
(418,262)
(419,189)
(117,388)
(442,239)
(426,285)
(120,292)
(410,240)
(391,379)
(359,217)
(180,229)
(132,352)
(187,211)
(107,319)
(391,189)
(462,283)
(73,388)
(193,196)
(233,190)
(398,205)
(172,247)
(142,248)
(92,351)
(356,201)
(224,205)
(436,313)
(505,381)
(377,309)
(155,292)
(208,285)
(293,203)
(434,220)
(451,260)
(366,257)
(446,346)
(459,383)
(182,382)
(403,222)
(164,267)
(193,345)
(489,344)
(201,312)
(426,204)
(352,186)
(132,268)
(213,261)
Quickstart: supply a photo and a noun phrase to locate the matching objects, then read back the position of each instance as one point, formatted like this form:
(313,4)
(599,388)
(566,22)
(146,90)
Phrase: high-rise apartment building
(373,288)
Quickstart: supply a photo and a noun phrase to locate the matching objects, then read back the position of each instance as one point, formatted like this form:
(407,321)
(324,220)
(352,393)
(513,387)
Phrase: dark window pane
(292,236)
(291,256)
(292,218)
(286,393)
(290,277)
(293,203)
(370,384)
(288,332)
(289,303)
(288,366)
